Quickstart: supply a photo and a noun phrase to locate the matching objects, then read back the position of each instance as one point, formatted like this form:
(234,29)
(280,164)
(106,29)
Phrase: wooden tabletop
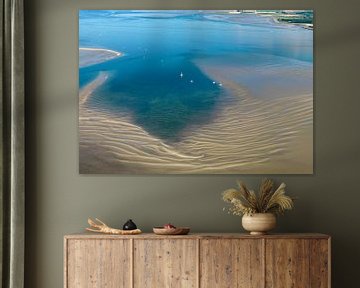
(89,235)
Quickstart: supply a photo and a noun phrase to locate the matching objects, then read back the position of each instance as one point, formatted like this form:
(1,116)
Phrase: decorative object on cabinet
(258,223)
(258,210)
(100,227)
(129,225)
(171,231)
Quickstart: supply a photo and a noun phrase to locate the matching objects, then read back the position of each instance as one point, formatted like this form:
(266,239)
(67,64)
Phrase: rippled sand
(247,135)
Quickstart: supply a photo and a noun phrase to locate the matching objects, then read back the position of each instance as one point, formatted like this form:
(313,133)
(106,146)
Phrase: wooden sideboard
(197,260)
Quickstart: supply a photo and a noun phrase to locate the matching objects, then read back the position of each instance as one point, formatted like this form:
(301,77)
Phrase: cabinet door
(287,263)
(319,263)
(231,263)
(165,263)
(98,263)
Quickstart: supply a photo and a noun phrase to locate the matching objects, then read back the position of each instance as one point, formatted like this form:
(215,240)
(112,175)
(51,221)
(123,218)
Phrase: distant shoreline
(292,17)
(91,56)
(276,20)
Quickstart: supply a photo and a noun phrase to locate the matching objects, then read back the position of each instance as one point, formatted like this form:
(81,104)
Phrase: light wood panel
(166,263)
(287,263)
(231,263)
(98,264)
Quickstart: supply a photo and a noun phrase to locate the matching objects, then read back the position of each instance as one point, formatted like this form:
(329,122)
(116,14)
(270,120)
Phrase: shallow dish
(171,231)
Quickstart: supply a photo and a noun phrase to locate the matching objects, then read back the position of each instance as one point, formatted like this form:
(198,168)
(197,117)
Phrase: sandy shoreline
(92,56)
(247,135)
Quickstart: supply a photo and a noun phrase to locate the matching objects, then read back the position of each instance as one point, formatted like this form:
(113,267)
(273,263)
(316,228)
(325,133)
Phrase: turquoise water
(158,81)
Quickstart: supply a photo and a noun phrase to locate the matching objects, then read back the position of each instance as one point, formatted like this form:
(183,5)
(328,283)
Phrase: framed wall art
(196,92)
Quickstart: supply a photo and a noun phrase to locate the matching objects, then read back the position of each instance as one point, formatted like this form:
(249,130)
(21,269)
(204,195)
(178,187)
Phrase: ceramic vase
(259,223)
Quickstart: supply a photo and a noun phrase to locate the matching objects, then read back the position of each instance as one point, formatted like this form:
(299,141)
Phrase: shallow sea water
(159,81)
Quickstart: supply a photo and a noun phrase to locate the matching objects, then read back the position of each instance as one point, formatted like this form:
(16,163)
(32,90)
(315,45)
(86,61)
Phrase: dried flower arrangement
(268,200)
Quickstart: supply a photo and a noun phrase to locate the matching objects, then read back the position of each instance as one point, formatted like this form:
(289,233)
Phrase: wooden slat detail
(198,263)
(98,263)
(65,263)
(287,263)
(319,263)
(165,263)
(231,263)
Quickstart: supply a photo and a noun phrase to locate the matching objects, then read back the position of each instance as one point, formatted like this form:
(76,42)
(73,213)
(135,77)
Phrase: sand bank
(91,56)
(86,91)
(247,135)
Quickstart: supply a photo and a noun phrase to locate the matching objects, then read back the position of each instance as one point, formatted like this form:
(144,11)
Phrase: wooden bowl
(171,231)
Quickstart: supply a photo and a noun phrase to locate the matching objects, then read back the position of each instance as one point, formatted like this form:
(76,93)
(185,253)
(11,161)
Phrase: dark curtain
(12,194)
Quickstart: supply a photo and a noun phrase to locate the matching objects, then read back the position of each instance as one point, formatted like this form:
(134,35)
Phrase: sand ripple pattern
(247,135)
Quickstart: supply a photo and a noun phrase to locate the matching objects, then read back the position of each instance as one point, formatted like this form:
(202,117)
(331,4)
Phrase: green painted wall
(59,200)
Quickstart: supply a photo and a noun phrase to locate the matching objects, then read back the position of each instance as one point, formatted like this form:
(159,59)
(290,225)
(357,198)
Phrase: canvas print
(196,92)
